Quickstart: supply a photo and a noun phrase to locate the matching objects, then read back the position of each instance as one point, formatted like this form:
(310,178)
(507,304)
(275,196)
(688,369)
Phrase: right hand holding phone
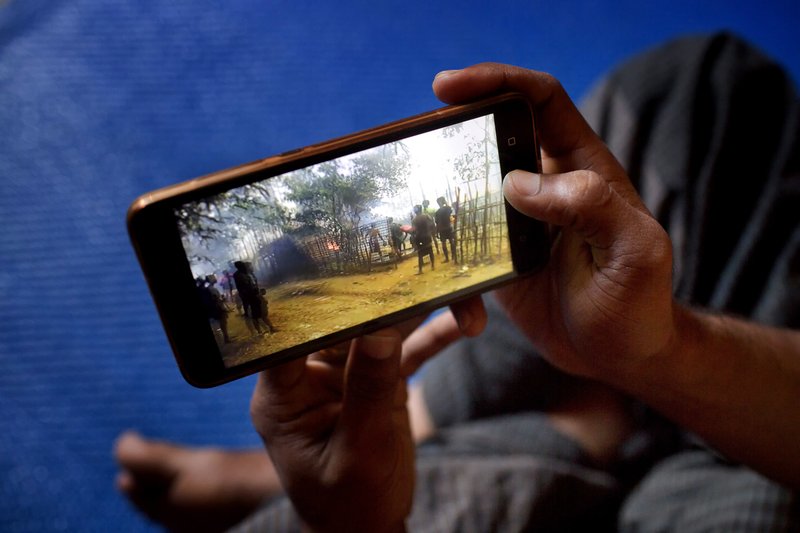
(603,305)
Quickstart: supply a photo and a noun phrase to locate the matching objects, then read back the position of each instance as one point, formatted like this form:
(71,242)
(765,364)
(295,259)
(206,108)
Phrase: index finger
(568,142)
(427,341)
(555,113)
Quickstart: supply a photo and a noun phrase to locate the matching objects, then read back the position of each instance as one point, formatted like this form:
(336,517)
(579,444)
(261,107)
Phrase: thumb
(371,378)
(580,200)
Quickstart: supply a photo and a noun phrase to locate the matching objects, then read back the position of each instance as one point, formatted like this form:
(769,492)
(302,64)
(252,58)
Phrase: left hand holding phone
(336,426)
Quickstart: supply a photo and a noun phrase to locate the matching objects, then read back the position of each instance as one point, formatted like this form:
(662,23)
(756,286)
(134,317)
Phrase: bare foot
(193,489)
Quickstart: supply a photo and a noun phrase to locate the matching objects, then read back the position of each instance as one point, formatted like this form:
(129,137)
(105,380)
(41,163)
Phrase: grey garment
(697,491)
(508,493)
(510,472)
(707,129)
(505,473)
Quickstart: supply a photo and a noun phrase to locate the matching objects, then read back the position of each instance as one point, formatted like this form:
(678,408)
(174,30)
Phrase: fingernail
(445,73)
(378,346)
(526,183)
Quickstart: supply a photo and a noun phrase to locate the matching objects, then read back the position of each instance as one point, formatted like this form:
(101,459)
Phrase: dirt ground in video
(302,310)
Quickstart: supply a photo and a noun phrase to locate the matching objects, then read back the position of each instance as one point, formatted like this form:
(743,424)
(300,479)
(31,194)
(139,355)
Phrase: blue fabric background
(102,101)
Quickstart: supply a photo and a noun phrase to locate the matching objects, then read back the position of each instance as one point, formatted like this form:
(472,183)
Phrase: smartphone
(255,265)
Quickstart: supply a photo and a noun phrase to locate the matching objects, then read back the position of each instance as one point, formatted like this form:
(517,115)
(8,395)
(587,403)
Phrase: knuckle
(551,82)
(649,248)
(580,198)
(659,246)
(590,189)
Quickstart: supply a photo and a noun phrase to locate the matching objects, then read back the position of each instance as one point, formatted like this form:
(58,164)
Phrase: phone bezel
(155,236)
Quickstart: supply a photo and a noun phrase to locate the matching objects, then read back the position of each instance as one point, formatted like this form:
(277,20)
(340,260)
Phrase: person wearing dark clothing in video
(428,210)
(445,228)
(214,304)
(423,228)
(397,238)
(251,296)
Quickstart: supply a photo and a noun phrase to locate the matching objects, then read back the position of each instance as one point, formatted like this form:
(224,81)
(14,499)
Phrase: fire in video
(321,249)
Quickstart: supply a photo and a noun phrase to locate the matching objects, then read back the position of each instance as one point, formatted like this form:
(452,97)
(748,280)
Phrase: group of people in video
(426,224)
(240,290)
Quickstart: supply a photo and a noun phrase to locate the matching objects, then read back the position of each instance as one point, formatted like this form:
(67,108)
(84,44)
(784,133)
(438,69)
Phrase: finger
(409,326)
(372,379)
(585,203)
(335,355)
(280,393)
(428,340)
(564,131)
(470,315)
(286,376)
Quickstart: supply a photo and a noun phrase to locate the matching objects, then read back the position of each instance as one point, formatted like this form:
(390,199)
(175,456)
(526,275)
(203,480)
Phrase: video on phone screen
(317,250)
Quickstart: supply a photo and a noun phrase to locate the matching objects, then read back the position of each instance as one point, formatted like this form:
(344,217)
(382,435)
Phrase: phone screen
(311,252)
